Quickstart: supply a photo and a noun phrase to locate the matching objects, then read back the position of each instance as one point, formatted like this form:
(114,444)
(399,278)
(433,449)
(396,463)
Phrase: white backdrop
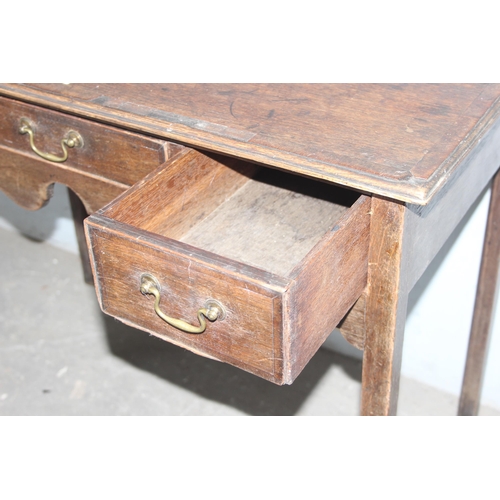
(440,306)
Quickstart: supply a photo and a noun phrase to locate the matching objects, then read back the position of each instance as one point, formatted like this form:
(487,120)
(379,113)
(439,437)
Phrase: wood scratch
(213,178)
(183,198)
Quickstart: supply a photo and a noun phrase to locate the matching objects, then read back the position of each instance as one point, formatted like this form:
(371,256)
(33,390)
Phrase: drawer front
(248,337)
(120,156)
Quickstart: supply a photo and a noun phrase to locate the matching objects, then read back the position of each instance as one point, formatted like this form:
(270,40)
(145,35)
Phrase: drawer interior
(272,221)
(259,216)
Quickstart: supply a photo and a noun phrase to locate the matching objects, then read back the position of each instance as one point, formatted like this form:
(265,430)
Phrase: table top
(402,141)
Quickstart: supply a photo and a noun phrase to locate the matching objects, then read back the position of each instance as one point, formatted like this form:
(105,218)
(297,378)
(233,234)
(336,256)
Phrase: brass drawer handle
(71,140)
(213,310)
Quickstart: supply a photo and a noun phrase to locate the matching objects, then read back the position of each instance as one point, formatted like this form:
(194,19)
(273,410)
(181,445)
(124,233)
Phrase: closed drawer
(115,154)
(286,258)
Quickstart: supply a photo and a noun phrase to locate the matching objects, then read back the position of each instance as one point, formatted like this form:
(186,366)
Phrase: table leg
(484,307)
(80,213)
(385,310)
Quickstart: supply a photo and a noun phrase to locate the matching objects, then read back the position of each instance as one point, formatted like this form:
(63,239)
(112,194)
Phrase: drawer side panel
(326,285)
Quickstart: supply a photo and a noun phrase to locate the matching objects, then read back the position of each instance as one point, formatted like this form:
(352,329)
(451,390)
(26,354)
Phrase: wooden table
(415,157)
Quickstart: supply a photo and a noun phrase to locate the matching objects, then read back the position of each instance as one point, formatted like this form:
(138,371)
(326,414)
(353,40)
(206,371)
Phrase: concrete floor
(59,355)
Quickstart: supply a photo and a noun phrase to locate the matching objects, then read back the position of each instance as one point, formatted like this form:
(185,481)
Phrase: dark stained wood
(399,141)
(428,228)
(107,152)
(29,182)
(353,325)
(431,226)
(79,214)
(245,338)
(486,298)
(385,310)
(434,147)
(118,155)
(277,319)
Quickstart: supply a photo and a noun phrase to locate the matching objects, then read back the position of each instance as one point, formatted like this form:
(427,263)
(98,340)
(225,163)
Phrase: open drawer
(273,260)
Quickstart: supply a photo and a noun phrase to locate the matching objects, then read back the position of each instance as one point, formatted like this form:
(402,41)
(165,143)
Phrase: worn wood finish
(429,227)
(29,182)
(432,226)
(400,141)
(246,338)
(327,283)
(107,152)
(353,325)
(172,199)
(486,297)
(434,147)
(79,214)
(386,304)
(273,221)
(270,329)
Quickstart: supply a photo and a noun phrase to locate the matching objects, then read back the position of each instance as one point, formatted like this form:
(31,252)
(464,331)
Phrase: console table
(246,221)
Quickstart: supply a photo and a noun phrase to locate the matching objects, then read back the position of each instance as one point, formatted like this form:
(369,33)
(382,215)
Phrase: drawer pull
(71,140)
(213,310)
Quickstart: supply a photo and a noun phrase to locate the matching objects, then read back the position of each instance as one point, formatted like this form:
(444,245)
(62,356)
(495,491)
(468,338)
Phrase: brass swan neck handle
(213,310)
(71,140)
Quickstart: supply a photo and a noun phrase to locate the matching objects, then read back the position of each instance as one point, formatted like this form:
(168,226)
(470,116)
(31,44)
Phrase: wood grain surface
(425,151)
(278,313)
(430,227)
(107,152)
(386,304)
(327,283)
(29,181)
(79,215)
(353,325)
(399,141)
(250,335)
(273,221)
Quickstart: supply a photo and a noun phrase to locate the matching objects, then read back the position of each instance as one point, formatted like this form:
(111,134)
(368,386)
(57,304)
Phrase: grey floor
(59,355)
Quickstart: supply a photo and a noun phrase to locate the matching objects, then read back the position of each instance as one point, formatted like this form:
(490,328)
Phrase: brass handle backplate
(212,310)
(71,140)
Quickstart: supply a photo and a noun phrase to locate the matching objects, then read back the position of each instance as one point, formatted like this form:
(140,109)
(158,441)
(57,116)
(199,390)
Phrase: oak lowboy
(245,222)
